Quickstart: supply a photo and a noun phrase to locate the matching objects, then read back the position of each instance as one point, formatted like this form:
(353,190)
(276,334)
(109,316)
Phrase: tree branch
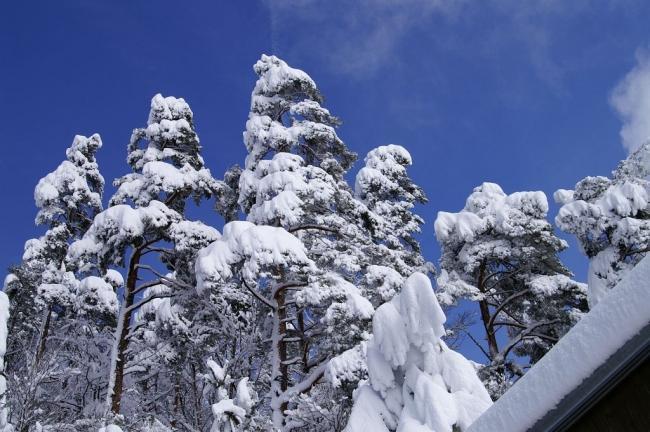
(303,386)
(479,346)
(287,285)
(147,300)
(163,277)
(504,303)
(259,296)
(311,226)
(148,285)
(524,334)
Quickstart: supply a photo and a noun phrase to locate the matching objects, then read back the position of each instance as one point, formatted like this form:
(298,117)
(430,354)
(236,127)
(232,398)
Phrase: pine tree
(611,220)
(286,116)
(293,178)
(266,261)
(384,186)
(67,198)
(45,296)
(501,253)
(146,217)
(415,381)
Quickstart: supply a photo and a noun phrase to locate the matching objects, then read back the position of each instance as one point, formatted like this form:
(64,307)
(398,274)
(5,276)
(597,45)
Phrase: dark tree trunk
(44,334)
(123,340)
(490,336)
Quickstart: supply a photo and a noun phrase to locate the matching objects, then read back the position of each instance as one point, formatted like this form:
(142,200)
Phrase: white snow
(259,247)
(347,366)
(383,164)
(110,428)
(549,285)
(416,382)
(68,186)
(161,177)
(191,235)
(348,300)
(243,396)
(218,372)
(116,226)
(114,278)
(618,316)
(9,279)
(98,295)
(282,187)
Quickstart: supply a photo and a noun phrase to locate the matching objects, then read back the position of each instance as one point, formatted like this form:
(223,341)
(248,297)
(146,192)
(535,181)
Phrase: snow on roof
(623,313)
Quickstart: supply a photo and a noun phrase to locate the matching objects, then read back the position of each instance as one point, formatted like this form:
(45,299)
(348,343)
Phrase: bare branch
(259,296)
(148,285)
(479,346)
(163,277)
(147,300)
(529,332)
(504,304)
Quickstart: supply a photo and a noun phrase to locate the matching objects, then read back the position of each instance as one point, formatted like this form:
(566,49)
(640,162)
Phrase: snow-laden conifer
(266,262)
(46,299)
(501,252)
(286,116)
(385,187)
(415,381)
(293,178)
(146,217)
(611,219)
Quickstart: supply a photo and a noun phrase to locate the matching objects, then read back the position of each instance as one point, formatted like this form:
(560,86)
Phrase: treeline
(135,317)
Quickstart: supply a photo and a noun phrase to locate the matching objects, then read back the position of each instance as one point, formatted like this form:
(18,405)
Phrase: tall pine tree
(501,253)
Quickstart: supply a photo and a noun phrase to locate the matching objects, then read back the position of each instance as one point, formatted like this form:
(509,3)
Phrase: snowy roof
(599,335)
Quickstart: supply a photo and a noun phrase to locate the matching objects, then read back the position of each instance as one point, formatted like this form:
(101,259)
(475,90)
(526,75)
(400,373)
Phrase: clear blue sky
(499,90)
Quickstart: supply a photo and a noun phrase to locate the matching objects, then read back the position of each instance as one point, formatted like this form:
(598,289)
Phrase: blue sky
(521,93)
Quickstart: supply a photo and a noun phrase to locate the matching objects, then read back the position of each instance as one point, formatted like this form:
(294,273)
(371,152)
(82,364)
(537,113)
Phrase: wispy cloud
(355,37)
(631,100)
(360,37)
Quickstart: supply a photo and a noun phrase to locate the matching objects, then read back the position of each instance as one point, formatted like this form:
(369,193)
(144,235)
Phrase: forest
(312,308)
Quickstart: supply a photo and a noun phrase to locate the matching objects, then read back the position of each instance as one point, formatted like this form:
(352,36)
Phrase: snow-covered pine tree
(47,299)
(501,253)
(293,178)
(611,220)
(265,261)
(415,381)
(146,218)
(286,116)
(385,187)
(5,426)
(67,198)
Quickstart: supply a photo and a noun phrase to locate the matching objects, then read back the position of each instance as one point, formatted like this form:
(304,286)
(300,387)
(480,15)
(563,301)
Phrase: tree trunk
(493,347)
(118,360)
(280,372)
(177,401)
(304,344)
(44,334)
(197,400)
